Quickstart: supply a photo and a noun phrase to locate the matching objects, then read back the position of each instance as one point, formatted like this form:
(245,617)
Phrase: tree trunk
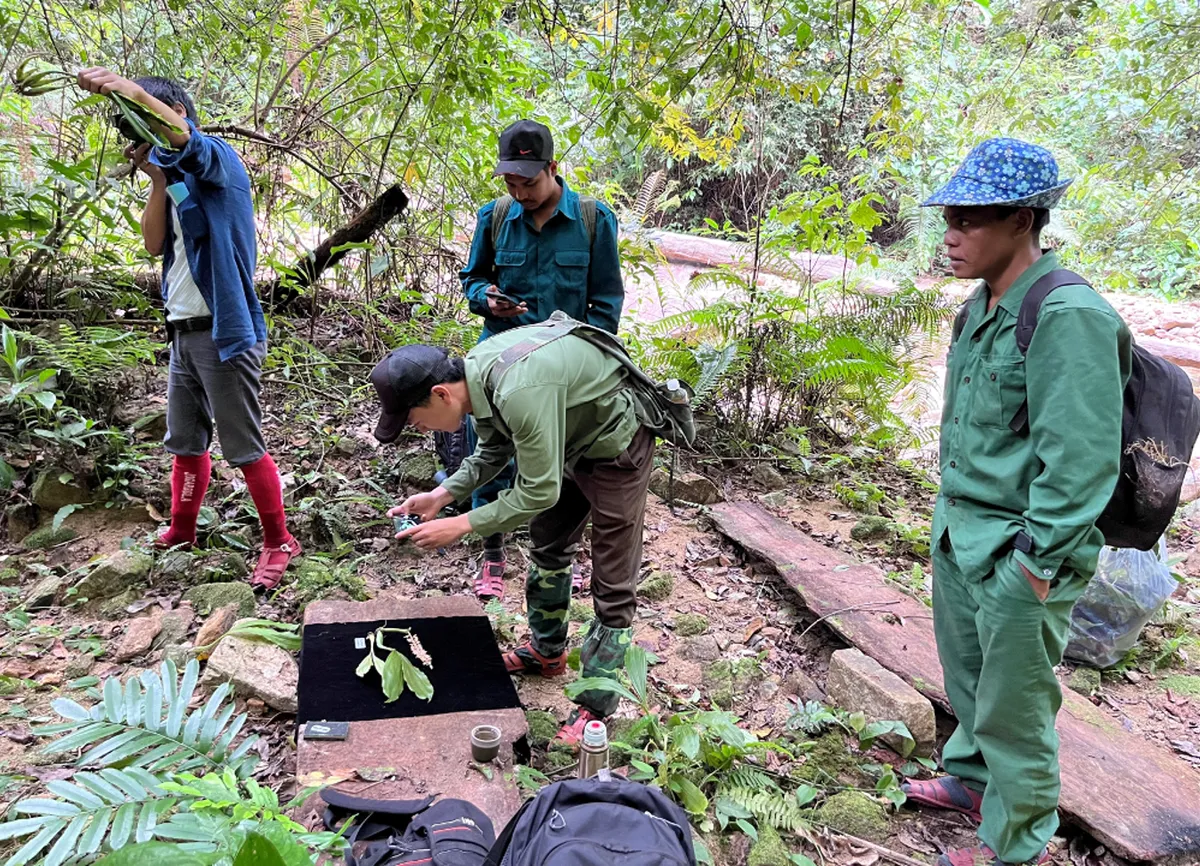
(282,291)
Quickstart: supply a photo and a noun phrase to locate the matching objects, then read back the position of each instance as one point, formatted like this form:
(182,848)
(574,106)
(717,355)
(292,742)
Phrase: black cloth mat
(468,672)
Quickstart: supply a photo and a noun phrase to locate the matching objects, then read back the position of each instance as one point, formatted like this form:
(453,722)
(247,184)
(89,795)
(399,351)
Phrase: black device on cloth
(468,672)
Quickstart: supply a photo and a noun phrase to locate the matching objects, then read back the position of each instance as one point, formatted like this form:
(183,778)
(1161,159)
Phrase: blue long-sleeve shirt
(211,191)
(557,268)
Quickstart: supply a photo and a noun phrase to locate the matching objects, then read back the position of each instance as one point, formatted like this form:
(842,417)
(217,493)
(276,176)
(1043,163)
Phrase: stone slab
(1139,800)
(429,754)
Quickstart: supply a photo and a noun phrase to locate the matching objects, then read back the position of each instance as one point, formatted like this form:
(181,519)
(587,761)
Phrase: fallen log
(284,289)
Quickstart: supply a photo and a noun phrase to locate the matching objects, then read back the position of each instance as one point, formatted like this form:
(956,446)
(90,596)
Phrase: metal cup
(485,743)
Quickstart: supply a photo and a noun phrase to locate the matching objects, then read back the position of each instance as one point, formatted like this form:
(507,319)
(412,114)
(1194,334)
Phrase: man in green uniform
(1015,540)
(563,407)
(539,249)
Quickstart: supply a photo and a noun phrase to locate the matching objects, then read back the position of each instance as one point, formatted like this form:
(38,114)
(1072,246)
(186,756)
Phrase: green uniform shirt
(1053,481)
(564,401)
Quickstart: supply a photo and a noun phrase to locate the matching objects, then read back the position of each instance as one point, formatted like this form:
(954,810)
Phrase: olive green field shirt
(561,402)
(1054,480)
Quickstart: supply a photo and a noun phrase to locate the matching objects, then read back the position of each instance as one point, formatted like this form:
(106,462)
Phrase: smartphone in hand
(493,292)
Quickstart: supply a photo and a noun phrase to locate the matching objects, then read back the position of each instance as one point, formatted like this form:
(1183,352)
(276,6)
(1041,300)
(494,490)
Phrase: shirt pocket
(572,268)
(1000,392)
(513,279)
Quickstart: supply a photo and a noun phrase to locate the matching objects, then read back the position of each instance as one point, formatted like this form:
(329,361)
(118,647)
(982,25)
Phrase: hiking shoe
(571,733)
(982,855)
(273,563)
(526,660)
(945,792)
(489,583)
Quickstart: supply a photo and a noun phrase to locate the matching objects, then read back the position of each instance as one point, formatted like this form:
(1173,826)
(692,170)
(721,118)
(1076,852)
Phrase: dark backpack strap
(502,841)
(960,320)
(1027,320)
(499,214)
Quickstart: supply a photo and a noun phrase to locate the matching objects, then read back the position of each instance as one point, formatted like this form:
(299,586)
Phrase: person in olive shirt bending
(1015,540)
(564,411)
(539,249)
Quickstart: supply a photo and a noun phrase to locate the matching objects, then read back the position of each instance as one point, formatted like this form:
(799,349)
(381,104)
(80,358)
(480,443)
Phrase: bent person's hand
(437,533)
(425,505)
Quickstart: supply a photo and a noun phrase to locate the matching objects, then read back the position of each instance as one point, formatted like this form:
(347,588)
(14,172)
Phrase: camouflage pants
(602,655)
(547,599)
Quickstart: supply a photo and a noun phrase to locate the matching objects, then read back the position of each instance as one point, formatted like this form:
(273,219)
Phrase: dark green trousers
(998,645)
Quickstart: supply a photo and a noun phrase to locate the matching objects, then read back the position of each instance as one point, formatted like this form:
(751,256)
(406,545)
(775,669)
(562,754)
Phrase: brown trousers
(613,494)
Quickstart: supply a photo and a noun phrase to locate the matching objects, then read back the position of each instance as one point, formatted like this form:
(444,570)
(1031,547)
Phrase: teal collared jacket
(557,268)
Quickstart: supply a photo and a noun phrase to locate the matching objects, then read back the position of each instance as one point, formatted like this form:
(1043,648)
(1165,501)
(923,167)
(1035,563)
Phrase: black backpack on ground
(409,832)
(1158,431)
(594,822)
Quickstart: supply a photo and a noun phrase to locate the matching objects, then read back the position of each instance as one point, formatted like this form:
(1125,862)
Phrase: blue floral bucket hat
(1003,171)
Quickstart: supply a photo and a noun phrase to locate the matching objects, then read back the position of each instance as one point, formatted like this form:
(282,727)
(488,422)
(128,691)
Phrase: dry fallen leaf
(753,628)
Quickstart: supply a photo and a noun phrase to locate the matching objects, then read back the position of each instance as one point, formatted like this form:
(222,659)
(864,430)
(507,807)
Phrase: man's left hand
(1041,588)
(437,533)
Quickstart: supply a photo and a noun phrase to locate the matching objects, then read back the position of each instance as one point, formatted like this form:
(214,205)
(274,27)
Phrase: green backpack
(662,407)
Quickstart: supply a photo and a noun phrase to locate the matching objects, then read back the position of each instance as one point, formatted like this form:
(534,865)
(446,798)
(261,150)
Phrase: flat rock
(113,575)
(210,596)
(51,493)
(175,626)
(768,476)
(857,683)
(138,637)
(47,537)
(701,648)
(688,487)
(46,592)
(256,669)
(152,425)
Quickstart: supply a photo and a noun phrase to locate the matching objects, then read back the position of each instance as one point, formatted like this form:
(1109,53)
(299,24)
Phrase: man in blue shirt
(200,219)
(538,249)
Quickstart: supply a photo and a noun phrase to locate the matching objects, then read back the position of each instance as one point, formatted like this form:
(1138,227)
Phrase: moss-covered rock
(560,756)
(47,537)
(209,596)
(1084,681)
(691,624)
(829,762)
(769,849)
(542,727)
(315,579)
(581,611)
(115,608)
(629,731)
(115,575)
(419,468)
(724,680)
(855,813)
(51,493)
(1181,684)
(10,576)
(872,528)
(657,587)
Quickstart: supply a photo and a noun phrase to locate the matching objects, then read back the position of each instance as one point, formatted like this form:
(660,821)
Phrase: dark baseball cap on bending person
(403,380)
(526,148)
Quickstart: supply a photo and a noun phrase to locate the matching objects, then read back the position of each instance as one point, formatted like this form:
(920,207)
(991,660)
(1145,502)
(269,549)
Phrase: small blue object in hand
(405,521)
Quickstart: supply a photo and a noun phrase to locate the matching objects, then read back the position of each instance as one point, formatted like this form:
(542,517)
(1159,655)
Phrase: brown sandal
(272,564)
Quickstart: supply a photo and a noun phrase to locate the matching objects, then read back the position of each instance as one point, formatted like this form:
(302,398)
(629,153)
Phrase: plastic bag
(1128,589)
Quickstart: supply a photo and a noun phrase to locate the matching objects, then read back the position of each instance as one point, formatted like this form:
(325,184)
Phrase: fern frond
(113,806)
(146,725)
(750,778)
(648,196)
(768,806)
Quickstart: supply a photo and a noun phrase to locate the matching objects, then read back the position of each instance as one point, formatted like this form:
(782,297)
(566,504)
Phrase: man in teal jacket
(1014,528)
(539,249)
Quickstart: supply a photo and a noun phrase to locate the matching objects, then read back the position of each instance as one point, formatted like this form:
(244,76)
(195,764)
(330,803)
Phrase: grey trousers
(203,389)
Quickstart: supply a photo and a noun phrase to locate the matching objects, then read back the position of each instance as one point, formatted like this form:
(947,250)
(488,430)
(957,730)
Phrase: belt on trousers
(186,326)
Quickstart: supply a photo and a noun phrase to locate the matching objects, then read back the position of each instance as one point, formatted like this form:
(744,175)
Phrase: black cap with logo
(404,379)
(526,148)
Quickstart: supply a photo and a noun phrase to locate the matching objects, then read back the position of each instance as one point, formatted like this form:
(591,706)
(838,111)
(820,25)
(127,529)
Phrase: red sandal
(945,792)
(273,563)
(526,660)
(490,582)
(982,855)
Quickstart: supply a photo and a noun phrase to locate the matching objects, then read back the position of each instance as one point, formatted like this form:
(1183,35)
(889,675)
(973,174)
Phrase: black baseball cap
(404,379)
(526,148)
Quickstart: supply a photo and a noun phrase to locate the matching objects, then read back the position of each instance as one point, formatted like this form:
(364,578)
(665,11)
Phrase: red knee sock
(189,482)
(262,477)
